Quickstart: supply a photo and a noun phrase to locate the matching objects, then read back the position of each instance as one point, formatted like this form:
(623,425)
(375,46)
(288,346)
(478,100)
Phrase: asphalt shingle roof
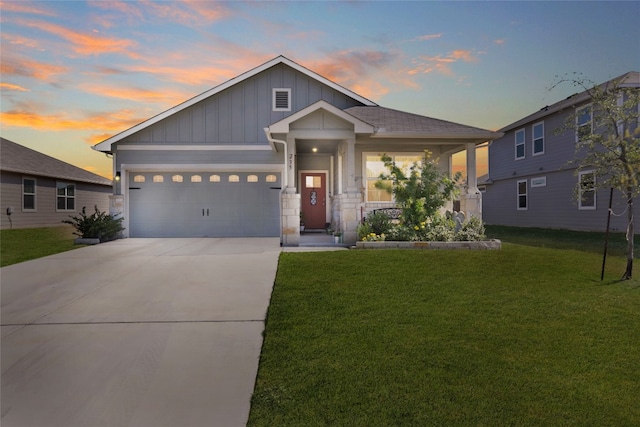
(20,159)
(387,120)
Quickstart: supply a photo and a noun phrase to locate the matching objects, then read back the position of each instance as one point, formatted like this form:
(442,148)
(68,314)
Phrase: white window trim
(366,179)
(533,140)
(595,193)
(526,195)
(578,115)
(35,195)
(542,182)
(273,99)
(74,197)
(524,144)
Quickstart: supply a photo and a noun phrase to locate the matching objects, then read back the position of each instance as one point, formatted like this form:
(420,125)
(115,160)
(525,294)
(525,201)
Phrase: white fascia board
(358,125)
(205,167)
(105,146)
(179,147)
(477,138)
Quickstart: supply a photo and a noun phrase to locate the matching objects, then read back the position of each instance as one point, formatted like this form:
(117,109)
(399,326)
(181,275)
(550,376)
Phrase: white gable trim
(179,147)
(105,146)
(358,125)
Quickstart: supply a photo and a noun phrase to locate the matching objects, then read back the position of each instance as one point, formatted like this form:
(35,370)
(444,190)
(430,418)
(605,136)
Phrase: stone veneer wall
(349,215)
(290,219)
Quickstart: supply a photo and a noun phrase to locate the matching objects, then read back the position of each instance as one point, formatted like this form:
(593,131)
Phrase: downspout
(285,178)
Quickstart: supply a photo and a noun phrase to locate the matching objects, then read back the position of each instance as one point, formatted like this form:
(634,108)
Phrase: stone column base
(290,219)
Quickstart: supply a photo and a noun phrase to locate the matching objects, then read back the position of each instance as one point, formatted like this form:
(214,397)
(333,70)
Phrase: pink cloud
(24,7)
(9,86)
(28,68)
(86,44)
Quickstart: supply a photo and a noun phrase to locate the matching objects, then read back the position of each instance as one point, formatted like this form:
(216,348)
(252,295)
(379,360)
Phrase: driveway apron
(136,332)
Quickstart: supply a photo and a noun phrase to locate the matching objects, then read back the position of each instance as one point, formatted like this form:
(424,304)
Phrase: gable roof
(630,79)
(391,123)
(105,146)
(20,159)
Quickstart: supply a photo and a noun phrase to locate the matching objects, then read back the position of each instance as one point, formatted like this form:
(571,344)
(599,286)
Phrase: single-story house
(253,155)
(40,191)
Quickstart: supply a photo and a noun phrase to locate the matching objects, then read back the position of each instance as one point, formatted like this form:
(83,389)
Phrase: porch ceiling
(323,146)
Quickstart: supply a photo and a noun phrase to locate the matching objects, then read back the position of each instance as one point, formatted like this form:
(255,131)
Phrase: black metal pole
(606,235)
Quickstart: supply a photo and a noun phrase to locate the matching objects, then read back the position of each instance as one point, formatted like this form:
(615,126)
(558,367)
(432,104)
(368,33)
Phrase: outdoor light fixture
(314,149)
(117,176)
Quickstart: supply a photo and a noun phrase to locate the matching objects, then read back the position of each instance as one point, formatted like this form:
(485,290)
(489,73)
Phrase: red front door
(314,200)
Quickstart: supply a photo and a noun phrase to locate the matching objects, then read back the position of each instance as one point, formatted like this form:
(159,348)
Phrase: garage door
(204,204)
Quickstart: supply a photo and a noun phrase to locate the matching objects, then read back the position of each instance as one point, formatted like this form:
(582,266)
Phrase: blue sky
(74,73)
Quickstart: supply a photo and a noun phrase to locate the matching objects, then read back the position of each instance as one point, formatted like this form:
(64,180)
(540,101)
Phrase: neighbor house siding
(239,114)
(45,215)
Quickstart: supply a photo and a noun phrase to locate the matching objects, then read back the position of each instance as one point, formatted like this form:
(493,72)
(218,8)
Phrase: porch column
(291,165)
(471,200)
(351,166)
(472,179)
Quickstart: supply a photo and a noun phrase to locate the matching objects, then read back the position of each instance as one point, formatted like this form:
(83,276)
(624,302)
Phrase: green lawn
(24,244)
(523,336)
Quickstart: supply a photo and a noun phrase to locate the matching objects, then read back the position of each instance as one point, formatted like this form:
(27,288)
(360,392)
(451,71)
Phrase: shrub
(98,225)
(363,230)
(471,230)
(379,222)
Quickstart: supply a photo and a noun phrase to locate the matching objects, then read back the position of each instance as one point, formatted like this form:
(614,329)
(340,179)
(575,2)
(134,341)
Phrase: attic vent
(281,99)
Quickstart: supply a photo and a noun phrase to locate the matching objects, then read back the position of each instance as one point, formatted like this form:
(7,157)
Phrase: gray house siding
(555,204)
(45,213)
(239,114)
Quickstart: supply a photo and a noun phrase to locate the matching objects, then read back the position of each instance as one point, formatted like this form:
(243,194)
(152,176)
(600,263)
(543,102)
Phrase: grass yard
(24,244)
(524,336)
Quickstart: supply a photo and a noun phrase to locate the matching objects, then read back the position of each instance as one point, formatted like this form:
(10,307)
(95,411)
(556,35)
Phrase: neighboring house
(252,155)
(532,182)
(39,191)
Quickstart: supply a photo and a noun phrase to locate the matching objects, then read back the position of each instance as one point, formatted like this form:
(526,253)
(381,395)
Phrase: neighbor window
(66,196)
(587,190)
(584,122)
(520,144)
(281,99)
(539,182)
(538,138)
(522,195)
(374,166)
(28,194)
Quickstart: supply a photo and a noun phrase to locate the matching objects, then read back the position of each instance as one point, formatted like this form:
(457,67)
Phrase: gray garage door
(204,204)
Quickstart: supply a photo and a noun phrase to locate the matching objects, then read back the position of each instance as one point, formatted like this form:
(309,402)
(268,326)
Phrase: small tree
(611,145)
(98,225)
(422,192)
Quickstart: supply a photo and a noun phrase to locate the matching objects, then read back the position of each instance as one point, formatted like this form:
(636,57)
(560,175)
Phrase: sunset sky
(74,72)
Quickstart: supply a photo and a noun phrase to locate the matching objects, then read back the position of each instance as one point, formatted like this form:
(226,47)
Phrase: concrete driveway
(136,332)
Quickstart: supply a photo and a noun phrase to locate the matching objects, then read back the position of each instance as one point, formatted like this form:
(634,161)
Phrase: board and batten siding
(45,215)
(239,114)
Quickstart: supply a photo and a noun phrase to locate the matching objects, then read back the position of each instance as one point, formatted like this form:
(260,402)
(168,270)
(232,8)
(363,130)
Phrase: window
(252,178)
(66,196)
(138,178)
(271,178)
(234,178)
(538,138)
(587,191)
(281,99)
(539,182)
(214,178)
(520,144)
(584,122)
(177,178)
(522,195)
(158,178)
(28,194)
(374,166)
(196,178)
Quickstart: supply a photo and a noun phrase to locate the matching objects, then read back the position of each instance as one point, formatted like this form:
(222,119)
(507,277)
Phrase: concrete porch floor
(319,238)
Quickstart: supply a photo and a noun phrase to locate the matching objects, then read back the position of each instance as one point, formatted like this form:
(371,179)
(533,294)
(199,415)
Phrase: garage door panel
(196,209)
